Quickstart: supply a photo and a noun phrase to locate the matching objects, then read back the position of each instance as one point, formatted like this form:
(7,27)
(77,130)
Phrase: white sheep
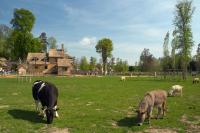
(195,80)
(175,89)
(123,78)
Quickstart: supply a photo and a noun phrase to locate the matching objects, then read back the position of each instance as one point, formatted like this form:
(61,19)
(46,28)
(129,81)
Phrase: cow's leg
(56,113)
(37,102)
(43,111)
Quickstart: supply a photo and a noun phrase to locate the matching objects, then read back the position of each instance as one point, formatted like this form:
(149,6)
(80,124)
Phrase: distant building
(56,61)
(22,69)
(3,63)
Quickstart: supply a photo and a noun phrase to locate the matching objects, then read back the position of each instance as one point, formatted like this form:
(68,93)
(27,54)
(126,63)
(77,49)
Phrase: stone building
(56,61)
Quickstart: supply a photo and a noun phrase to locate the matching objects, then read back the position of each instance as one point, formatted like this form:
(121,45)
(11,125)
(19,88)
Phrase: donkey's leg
(149,114)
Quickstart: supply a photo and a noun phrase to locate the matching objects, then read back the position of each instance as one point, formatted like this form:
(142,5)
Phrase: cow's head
(141,113)
(50,114)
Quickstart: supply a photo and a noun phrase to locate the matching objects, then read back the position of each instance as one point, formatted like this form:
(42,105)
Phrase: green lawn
(95,105)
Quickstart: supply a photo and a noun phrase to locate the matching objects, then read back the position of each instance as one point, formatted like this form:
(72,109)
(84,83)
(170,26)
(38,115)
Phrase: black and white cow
(46,94)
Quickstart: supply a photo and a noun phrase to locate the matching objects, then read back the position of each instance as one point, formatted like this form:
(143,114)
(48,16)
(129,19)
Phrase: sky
(132,25)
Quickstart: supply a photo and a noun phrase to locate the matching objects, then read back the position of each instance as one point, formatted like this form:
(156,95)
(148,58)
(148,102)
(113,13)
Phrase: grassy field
(97,105)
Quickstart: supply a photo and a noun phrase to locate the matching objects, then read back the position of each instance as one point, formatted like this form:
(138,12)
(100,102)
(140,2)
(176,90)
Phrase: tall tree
(165,60)
(5,32)
(93,62)
(76,64)
(182,22)
(104,47)
(174,45)
(52,42)
(21,40)
(146,60)
(165,45)
(111,65)
(84,65)
(23,20)
(43,39)
(198,57)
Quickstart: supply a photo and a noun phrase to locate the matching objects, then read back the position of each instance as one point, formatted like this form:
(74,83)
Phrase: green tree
(23,20)
(166,58)
(52,42)
(43,40)
(121,66)
(165,45)
(182,22)
(84,65)
(146,61)
(174,45)
(93,62)
(76,64)
(197,59)
(21,40)
(111,65)
(104,47)
(4,35)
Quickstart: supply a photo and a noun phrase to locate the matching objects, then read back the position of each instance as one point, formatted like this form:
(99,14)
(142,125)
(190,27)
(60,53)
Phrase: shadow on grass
(127,122)
(27,115)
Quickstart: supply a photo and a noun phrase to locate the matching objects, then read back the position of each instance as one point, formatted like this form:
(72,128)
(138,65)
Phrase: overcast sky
(132,25)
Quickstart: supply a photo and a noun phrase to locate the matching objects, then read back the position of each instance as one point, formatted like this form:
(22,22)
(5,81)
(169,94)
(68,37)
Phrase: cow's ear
(56,109)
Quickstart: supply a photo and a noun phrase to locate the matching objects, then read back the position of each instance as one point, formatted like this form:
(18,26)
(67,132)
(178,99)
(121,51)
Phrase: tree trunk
(104,68)
(184,73)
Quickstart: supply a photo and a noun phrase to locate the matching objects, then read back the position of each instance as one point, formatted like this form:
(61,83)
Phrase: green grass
(92,104)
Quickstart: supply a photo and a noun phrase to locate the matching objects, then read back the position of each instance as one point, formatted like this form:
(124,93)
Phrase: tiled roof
(64,62)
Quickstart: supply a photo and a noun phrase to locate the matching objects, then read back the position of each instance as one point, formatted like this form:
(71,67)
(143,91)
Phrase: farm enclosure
(97,104)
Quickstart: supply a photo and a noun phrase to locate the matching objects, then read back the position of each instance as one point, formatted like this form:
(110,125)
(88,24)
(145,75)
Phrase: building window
(64,68)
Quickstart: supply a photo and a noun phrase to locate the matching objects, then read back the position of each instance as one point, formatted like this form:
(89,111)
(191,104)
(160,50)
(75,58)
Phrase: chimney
(62,48)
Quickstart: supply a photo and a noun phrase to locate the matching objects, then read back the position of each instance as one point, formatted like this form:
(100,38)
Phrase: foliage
(76,64)
(111,65)
(43,39)
(182,22)
(174,45)
(21,40)
(165,45)
(104,47)
(198,57)
(84,65)
(20,44)
(121,66)
(92,64)
(147,61)
(23,20)
(52,42)
(5,32)
(166,59)
(133,68)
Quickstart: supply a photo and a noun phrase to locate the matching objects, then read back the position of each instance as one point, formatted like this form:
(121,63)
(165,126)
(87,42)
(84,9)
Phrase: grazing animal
(46,94)
(156,98)
(175,90)
(123,78)
(195,80)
